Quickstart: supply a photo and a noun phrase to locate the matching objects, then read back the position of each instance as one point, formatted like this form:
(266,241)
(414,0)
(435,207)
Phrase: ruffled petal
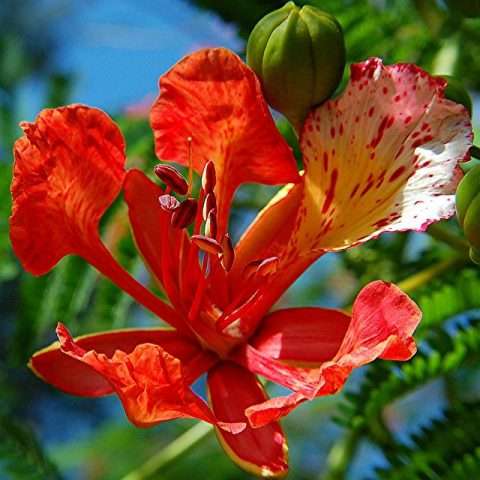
(382,157)
(152,384)
(382,324)
(302,336)
(68,170)
(261,451)
(77,378)
(214,99)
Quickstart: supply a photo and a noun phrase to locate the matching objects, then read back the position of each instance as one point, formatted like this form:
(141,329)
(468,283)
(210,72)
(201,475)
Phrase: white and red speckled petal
(382,157)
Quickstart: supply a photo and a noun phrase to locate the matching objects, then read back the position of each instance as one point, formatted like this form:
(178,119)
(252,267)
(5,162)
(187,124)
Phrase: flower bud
(299,55)
(456,92)
(468,210)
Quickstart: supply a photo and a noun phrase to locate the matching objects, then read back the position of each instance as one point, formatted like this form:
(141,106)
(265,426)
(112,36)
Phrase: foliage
(420,31)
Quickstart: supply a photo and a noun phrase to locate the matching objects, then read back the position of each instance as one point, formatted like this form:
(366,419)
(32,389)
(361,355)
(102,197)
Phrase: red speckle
(331,191)
(370,112)
(425,164)
(408,119)
(309,143)
(415,134)
(385,90)
(367,188)
(355,190)
(341,129)
(396,98)
(390,122)
(397,173)
(310,127)
(425,126)
(325,161)
(357,119)
(402,148)
(381,130)
(372,155)
(332,132)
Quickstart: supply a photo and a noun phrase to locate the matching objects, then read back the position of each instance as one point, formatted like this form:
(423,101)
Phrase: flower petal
(151,383)
(214,99)
(261,451)
(302,336)
(77,378)
(382,324)
(382,157)
(68,170)
(160,245)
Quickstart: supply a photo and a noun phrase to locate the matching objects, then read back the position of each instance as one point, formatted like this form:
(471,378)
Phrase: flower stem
(172,452)
(425,276)
(439,232)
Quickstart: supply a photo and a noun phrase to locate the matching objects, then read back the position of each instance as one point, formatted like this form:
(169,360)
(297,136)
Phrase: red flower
(382,157)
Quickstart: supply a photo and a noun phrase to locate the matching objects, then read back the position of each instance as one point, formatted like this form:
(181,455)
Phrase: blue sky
(117,49)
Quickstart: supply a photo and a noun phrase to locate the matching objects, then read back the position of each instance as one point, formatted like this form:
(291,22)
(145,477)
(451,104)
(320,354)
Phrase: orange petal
(302,336)
(382,325)
(152,384)
(77,378)
(158,242)
(68,170)
(213,98)
(262,451)
(382,157)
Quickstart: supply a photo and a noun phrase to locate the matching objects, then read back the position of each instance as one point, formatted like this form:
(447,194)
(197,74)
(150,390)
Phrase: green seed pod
(466,8)
(299,55)
(468,210)
(456,92)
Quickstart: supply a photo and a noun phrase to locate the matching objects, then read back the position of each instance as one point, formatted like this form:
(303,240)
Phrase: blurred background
(417,420)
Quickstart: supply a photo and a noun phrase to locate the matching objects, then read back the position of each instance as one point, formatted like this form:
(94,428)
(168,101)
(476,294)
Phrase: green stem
(341,455)
(439,232)
(425,276)
(173,451)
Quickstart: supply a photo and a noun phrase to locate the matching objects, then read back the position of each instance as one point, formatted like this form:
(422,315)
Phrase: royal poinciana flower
(382,157)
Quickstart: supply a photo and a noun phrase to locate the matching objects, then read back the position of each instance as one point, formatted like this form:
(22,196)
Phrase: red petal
(159,244)
(261,451)
(151,383)
(68,170)
(213,98)
(382,324)
(302,335)
(72,376)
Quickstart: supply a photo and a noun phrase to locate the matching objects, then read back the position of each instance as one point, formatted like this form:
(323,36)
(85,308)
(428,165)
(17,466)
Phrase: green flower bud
(299,55)
(468,210)
(456,92)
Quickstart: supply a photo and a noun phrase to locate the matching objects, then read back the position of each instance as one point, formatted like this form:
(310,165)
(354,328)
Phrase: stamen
(207,244)
(184,214)
(209,177)
(210,203)
(228,255)
(211,224)
(168,203)
(171,177)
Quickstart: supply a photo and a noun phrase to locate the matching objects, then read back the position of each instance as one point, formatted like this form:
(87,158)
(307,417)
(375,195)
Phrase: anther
(211,224)
(208,177)
(210,203)
(207,244)
(168,203)
(228,254)
(171,177)
(184,214)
